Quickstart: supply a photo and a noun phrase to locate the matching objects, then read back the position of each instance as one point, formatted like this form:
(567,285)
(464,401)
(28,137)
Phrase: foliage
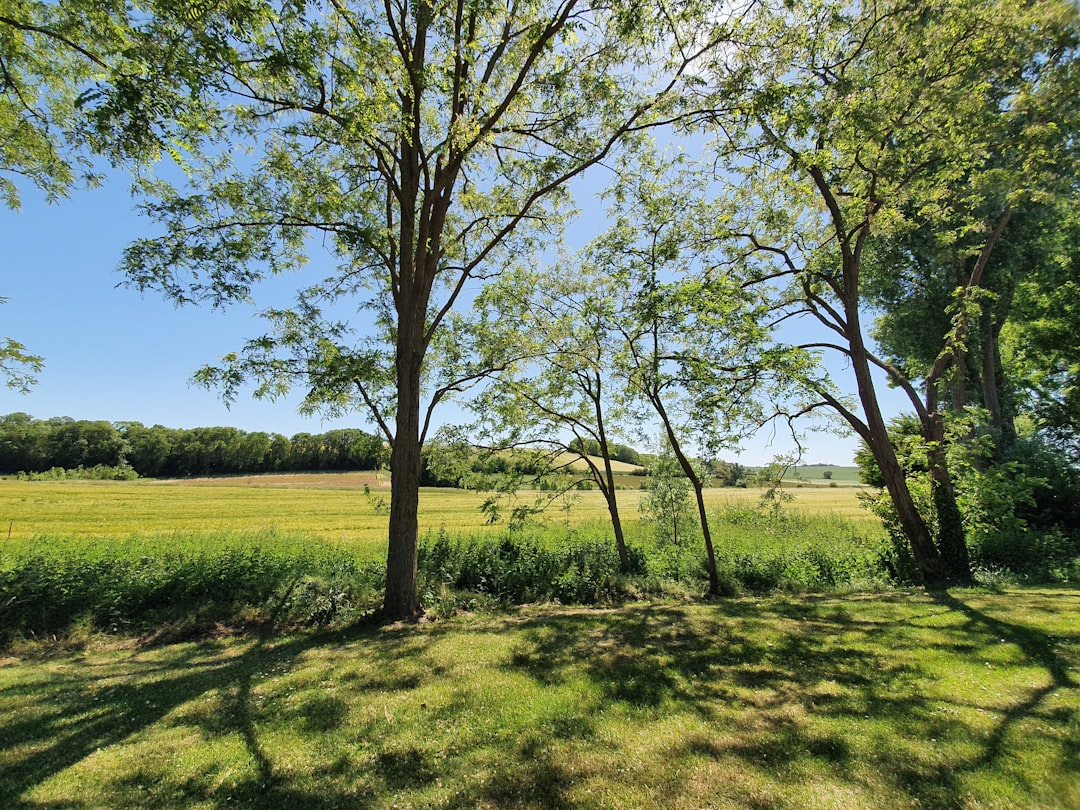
(860,122)
(667,506)
(51,53)
(99,472)
(140,587)
(580,568)
(17,366)
(36,446)
(423,146)
(1020,510)
(1038,341)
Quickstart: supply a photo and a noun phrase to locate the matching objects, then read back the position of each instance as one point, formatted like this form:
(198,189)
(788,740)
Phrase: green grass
(815,474)
(961,699)
(314,505)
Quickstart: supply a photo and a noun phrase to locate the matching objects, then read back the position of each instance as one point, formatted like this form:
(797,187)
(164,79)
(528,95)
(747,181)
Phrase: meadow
(332,507)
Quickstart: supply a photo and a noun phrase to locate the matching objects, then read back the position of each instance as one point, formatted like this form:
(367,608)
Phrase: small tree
(667,504)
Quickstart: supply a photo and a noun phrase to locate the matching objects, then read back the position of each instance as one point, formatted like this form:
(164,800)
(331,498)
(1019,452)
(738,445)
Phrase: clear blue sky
(113,354)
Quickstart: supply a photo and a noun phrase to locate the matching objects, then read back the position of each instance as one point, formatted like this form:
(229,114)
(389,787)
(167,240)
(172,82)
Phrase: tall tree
(853,120)
(420,143)
(693,350)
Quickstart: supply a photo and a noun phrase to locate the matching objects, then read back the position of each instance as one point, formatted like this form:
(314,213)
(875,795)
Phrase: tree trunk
(951,540)
(695,482)
(923,551)
(609,485)
(993,386)
(710,555)
(932,570)
(401,601)
(616,526)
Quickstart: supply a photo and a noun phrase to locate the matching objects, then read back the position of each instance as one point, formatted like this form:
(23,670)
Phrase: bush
(517,570)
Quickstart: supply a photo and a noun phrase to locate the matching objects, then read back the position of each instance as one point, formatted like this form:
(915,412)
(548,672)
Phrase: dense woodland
(892,184)
(37,445)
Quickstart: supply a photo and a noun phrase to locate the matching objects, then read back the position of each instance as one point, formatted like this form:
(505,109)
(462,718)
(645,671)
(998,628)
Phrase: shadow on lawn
(788,689)
(83,714)
(764,687)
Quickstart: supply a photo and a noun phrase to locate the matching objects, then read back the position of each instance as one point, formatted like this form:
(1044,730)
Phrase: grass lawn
(962,699)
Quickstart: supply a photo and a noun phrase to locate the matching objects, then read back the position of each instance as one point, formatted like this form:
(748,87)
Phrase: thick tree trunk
(951,540)
(923,551)
(932,569)
(401,600)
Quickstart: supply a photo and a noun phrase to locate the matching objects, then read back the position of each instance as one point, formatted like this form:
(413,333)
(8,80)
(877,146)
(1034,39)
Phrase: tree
(852,121)
(49,52)
(557,386)
(693,352)
(666,503)
(421,143)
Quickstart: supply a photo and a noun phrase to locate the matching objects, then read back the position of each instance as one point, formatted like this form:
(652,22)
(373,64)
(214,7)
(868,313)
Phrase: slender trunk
(609,487)
(616,521)
(710,555)
(401,601)
(993,385)
(695,482)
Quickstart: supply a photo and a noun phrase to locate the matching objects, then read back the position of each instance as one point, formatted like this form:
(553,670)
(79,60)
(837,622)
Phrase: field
(900,700)
(331,507)
(825,475)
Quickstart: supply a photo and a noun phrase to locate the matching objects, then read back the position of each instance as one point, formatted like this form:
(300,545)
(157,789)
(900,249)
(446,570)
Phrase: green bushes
(99,472)
(140,585)
(583,568)
(756,553)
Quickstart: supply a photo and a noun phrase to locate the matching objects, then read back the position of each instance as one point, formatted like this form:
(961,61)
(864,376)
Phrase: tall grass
(183,581)
(139,584)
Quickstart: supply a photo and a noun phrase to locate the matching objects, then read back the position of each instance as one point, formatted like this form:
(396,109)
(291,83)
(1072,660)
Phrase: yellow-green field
(331,507)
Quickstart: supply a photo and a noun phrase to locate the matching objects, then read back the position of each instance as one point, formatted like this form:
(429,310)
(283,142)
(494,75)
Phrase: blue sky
(113,354)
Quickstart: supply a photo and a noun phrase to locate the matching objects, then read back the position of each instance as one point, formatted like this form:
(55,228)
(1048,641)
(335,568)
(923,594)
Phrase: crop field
(331,507)
(824,475)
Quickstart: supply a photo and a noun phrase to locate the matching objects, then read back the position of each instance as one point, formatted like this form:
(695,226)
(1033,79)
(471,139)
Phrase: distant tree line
(36,445)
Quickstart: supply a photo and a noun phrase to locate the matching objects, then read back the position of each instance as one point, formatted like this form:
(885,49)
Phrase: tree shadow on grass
(1038,649)
(765,675)
(784,689)
(72,721)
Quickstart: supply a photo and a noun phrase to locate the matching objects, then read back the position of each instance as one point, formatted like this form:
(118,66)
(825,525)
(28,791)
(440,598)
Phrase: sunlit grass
(943,700)
(315,505)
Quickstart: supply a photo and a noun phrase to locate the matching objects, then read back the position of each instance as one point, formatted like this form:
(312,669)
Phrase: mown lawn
(961,699)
